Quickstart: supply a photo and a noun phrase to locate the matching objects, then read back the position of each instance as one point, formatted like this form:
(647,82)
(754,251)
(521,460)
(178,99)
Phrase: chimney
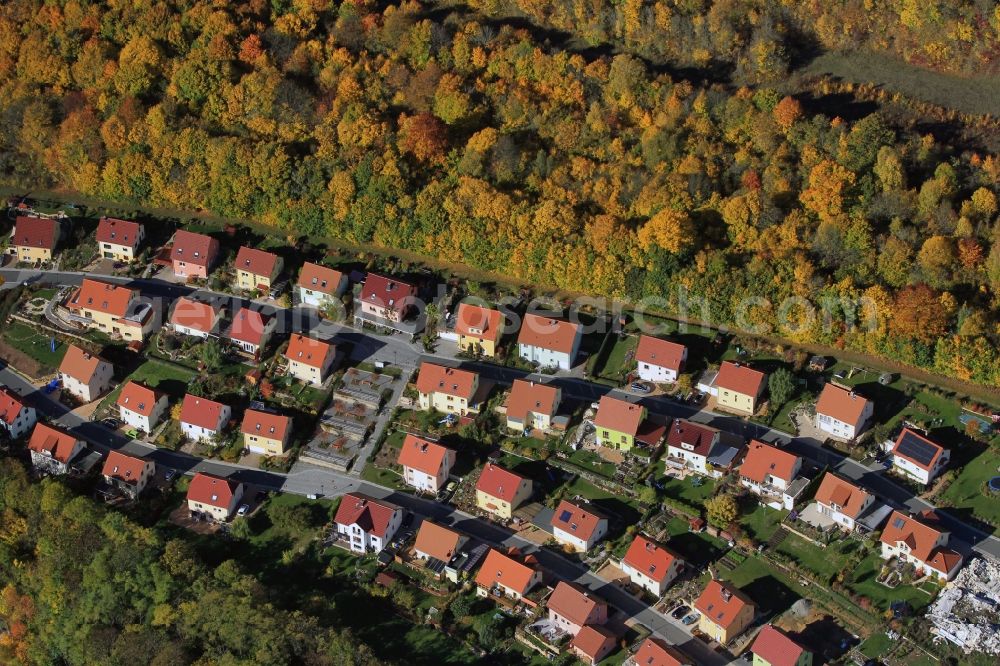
(726,594)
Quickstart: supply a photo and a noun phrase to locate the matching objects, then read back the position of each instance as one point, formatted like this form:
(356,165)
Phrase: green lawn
(383,477)
(593,462)
(966,491)
(35,344)
(863,582)
(617,361)
(823,561)
(761,522)
(771,590)
(157,374)
(686,490)
(876,645)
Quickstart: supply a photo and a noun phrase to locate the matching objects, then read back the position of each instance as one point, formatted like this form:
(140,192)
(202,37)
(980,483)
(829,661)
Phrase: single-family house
(127,474)
(214,496)
(725,611)
(917,457)
(84,375)
(549,343)
(113,309)
(202,419)
(257,269)
(310,360)
(571,608)
(773,647)
(318,286)
(578,527)
(532,406)
(921,544)
(617,422)
(435,543)
(739,388)
(426,465)
(366,523)
(16,417)
(34,239)
(769,472)
(690,445)
(657,652)
(265,432)
(251,331)
(119,239)
(479,329)
(53,449)
(194,318)
(193,255)
(386,300)
(842,413)
(141,407)
(659,361)
(842,501)
(651,566)
(500,491)
(448,390)
(503,576)
(592,644)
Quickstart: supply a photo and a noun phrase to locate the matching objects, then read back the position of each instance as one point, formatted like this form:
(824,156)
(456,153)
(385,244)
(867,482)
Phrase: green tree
(722,510)
(782,385)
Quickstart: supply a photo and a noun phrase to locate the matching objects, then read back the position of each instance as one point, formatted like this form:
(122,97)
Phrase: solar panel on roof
(565,516)
(915,448)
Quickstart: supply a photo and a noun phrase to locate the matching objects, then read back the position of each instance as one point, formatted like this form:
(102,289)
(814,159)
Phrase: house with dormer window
(577,526)
(448,390)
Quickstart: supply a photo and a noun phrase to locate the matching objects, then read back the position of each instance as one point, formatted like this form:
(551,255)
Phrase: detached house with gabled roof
(659,361)
(690,445)
(617,422)
(53,449)
(127,474)
(34,239)
(842,501)
(532,406)
(16,416)
(479,329)
(385,301)
(366,523)
(572,607)
(193,255)
(448,390)
(202,419)
(842,413)
(141,407)
(651,566)
(257,269)
(426,465)
(84,375)
(500,492)
(725,611)
(310,360)
(773,647)
(592,644)
(657,652)
(549,343)
(769,472)
(266,433)
(319,286)
(195,318)
(921,544)
(916,456)
(435,543)
(119,239)
(214,496)
(578,527)
(739,388)
(503,576)
(116,310)
(251,331)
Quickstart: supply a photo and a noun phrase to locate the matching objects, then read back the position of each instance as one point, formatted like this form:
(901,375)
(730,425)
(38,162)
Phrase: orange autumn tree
(920,314)
(669,230)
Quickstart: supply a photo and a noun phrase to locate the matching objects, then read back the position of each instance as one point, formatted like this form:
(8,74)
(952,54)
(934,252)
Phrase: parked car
(112,423)
(690,619)
(679,612)
(170,474)
(243,510)
(641,387)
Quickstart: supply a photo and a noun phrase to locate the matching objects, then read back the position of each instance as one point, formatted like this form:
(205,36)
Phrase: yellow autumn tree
(669,230)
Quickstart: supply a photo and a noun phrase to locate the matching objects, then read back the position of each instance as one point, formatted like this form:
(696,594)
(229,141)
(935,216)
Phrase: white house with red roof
(319,286)
(920,543)
(84,375)
(194,318)
(842,413)
(119,239)
(426,465)
(690,444)
(214,496)
(127,474)
(504,576)
(141,407)
(448,390)
(917,457)
(842,501)
(548,342)
(651,566)
(773,647)
(769,472)
(659,361)
(16,417)
(500,491)
(593,643)
(385,300)
(366,523)
(577,526)
(53,449)
(202,419)
(251,330)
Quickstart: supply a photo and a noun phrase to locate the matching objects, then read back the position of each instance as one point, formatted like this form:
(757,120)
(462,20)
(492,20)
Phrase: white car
(243,510)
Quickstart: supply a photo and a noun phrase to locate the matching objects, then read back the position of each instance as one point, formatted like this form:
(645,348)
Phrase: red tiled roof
(740,378)
(656,652)
(10,405)
(650,558)
(37,232)
(480,322)
(498,482)
(257,262)
(249,326)
(526,396)
(103,297)
(368,513)
(763,459)
(593,641)
(573,603)
(201,412)
(118,232)
(138,398)
(834,490)
(422,455)
(320,278)
(721,603)
(122,467)
(54,441)
(548,333)
(691,436)
(212,490)
(841,404)
(921,539)
(501,569)
(939,450)
(574,519)
(619,415)
(190,313)
(435,378)
(80,364)
(387,292)
(308,351)
(265,424)
(777,649)
(437,541)
(663,353)
(194,249)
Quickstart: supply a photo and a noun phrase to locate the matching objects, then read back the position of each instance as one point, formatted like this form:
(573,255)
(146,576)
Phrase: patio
(812,516)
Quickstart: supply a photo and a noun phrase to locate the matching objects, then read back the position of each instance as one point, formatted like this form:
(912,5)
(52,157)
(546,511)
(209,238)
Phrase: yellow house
(500,492)
(310,360)
(739,388)
(113,309)
(448,390)
(531,406)
(256,269)
(725,611)
(265,433)
(119,239)
(34,239)
(479,329)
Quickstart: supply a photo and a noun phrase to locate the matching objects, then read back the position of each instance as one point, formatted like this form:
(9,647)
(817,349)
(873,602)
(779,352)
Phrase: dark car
(679,612)
(408,520)
(641,387)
